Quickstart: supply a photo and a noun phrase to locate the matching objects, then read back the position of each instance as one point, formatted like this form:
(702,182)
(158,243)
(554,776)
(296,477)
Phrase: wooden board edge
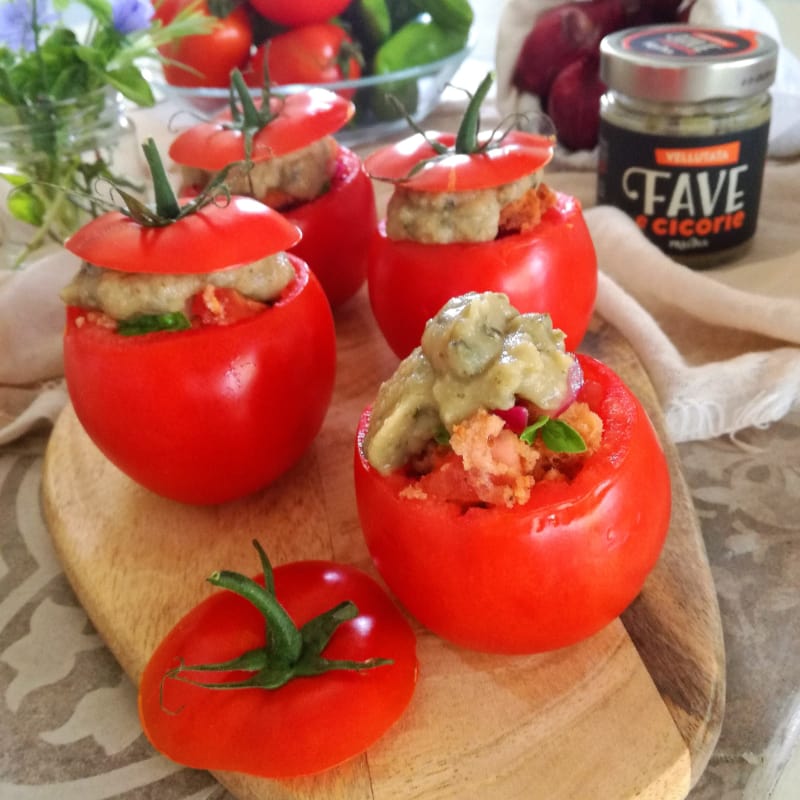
(669,654)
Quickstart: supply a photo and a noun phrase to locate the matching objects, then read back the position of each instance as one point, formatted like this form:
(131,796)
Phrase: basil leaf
(561,437)
(151,323)
(558,436)
(529,434)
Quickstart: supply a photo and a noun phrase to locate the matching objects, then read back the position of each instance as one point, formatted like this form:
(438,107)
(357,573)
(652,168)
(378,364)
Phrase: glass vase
(56,160)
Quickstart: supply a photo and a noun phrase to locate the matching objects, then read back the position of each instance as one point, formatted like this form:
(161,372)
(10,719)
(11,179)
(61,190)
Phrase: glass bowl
(377,116)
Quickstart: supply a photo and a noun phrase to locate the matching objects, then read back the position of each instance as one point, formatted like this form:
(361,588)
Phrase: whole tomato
(549,267)
(299,12)
(306,725)
(536,576)
(211,56)
(319,53)
(210,414)
(214,411)
(333,243)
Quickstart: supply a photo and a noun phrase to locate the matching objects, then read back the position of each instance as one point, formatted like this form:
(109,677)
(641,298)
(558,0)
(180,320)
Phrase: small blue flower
(130,16)
(16,22)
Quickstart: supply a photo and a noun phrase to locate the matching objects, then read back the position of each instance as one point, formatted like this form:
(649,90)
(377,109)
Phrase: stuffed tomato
(199,356)
(282,152)
(513,496)
(469,212)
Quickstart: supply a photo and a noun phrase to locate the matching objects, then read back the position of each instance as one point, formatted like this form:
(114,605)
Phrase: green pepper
(402,11)
(454,15)
(418,42)
(370,22)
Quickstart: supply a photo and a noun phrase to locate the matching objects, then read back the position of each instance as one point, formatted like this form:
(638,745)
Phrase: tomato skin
(306,726)
(300,119)
(299,12)
(520,154)
(237,232)
(307,54)
(538,576)
(210,414)
(213,55)
(552,268)
(337,229)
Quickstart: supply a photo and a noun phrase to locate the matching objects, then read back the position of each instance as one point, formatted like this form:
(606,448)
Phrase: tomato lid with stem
(470,159)
(252,131)
(210,232)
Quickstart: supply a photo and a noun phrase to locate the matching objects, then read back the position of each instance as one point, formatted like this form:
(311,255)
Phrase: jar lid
(687,63)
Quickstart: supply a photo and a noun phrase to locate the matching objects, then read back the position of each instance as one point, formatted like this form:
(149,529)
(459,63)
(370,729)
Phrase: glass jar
(683,135)
(52,155)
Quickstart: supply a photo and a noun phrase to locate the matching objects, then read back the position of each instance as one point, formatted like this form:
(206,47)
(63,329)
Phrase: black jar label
(691,196)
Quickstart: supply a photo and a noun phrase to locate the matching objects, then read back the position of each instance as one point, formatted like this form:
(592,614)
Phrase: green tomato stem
(467,135)
(167,205)
(289,652)
(284,639)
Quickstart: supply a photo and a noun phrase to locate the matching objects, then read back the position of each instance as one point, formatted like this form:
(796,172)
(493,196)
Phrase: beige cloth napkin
(714,352)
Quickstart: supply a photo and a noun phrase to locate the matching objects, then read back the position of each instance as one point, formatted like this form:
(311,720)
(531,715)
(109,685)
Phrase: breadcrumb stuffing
(486,463)
(525,213)
(480,215)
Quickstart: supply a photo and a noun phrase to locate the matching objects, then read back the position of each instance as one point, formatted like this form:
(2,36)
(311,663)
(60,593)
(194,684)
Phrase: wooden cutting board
(634,712)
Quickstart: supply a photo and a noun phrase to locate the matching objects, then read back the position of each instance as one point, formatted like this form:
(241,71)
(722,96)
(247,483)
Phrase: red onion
(515,418)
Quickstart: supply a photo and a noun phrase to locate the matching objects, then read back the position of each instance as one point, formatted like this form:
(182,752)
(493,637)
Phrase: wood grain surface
(633,712)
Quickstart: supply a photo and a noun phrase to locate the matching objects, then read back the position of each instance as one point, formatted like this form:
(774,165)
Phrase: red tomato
(337,229)
(537,576)
(551,268)
(213,413)
(199,242)
(300,119)
(299,12)
(334,245)
(211,56)
(221,306)
(320,53)
(519,154)
(305,726)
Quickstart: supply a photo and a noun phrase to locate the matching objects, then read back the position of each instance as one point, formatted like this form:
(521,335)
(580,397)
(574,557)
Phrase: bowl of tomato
(390,61)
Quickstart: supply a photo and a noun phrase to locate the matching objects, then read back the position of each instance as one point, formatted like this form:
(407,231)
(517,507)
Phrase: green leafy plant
(58,94)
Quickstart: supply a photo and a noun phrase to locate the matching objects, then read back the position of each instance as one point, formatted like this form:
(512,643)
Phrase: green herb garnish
(558,436)
(150,323)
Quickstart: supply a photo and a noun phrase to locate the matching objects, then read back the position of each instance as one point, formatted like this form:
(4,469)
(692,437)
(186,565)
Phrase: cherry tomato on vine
(318,53)
(536,576)
(302,726)
(211,56)
(299,12)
